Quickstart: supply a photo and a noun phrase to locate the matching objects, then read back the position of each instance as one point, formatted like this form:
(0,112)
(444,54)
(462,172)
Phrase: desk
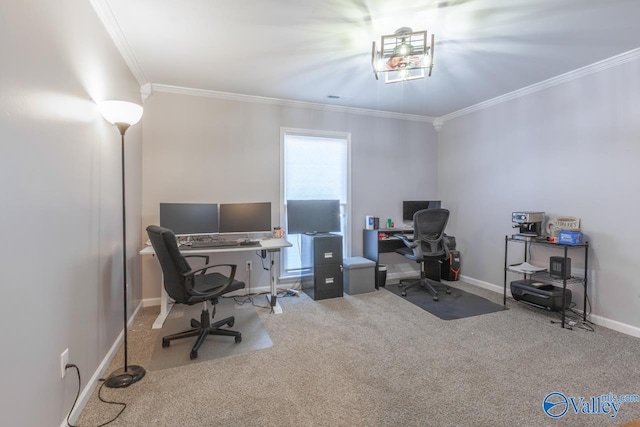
(373,246)
(269,245)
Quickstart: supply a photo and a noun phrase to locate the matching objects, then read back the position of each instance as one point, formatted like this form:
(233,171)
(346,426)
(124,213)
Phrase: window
(314,166)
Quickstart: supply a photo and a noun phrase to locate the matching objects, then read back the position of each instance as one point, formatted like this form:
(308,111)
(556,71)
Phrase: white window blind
(315,167)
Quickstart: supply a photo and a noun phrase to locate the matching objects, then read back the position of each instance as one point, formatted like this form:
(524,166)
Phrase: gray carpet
(456,305)
(376,360)
(254,336)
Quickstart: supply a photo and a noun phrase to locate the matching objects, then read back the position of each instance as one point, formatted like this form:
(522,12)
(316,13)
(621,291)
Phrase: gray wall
(60,191)
(202,149)
(572,149)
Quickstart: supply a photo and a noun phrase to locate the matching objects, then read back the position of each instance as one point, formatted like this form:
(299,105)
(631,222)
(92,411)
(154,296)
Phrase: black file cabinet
(322,263)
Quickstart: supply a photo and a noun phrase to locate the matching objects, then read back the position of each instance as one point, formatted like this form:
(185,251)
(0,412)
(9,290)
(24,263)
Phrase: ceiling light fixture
(404,55)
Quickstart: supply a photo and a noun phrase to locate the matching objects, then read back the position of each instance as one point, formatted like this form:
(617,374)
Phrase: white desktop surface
(269,245)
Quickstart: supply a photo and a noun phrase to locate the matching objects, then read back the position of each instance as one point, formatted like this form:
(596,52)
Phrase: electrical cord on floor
(287,293)
(248,299)
(124,405)
(574,319)
(293,291)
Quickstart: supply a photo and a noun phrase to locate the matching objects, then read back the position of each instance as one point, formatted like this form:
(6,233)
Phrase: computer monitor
(411,207)
(189,218)
(245,217)
(313,216)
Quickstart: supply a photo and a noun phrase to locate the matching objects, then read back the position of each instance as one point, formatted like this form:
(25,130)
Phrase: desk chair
(428,245)
(191,286)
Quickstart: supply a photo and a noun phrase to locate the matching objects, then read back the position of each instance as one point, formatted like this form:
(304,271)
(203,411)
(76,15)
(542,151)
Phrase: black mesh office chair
(192,286)
(428,246)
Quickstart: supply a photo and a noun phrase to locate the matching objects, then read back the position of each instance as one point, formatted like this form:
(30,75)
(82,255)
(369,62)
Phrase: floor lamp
(123,114)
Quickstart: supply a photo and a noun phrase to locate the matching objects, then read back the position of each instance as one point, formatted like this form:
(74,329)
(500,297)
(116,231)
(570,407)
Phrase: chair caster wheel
(435,298)
(230,323)
(165,342)
(404,294)
(448,291)
(238,338)
(193,354)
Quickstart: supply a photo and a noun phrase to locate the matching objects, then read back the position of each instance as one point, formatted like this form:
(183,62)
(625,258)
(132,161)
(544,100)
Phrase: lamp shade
(120,112)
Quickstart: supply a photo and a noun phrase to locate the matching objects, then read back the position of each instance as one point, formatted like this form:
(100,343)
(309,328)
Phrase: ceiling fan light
(403,56)
(403,49)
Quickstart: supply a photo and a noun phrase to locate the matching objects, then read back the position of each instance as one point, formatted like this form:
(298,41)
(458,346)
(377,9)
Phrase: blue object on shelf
(570,237)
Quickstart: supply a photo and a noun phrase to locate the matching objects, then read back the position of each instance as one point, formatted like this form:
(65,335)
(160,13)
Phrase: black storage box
(543,295)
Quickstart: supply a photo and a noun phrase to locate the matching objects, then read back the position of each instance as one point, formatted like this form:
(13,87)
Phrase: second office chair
(428,246)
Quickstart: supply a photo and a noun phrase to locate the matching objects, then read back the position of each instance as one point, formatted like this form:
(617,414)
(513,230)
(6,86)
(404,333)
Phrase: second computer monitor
(411,207)
(245,217)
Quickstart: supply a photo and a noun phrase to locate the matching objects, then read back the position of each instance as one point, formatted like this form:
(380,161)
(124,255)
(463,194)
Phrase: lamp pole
(129,374)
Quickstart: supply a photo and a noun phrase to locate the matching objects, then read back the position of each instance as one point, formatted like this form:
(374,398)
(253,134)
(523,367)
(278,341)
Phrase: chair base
(203,328)
(426,283)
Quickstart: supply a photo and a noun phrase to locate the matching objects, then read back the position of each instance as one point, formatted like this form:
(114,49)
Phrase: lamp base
(121,378)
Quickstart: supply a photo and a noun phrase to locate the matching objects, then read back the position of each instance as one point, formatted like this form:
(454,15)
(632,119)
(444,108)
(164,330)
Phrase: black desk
(373,246)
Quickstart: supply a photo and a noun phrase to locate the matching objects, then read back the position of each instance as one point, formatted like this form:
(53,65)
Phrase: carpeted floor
(455,305)
(254,336)
(376,360)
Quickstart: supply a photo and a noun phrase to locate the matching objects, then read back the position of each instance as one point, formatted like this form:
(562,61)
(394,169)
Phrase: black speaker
(560,267)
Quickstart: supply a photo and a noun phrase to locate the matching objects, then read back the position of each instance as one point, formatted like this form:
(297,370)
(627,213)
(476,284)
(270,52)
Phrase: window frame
(346,220)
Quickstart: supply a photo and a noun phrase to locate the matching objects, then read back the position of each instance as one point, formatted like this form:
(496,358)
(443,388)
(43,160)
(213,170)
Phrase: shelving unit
(544,276)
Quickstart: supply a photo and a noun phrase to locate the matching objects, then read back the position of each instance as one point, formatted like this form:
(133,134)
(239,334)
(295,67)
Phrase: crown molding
(596,67)
(104,12)
(156,87)
(106,16)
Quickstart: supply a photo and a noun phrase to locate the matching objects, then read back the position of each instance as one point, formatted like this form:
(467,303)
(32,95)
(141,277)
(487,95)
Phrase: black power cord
(124,405)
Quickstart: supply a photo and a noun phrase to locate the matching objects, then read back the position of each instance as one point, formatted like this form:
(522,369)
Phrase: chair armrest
(204,268)
(408,242)
(206,258)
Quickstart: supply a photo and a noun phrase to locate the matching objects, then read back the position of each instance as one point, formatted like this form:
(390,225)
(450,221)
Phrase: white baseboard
(624,328)
(88,389)
(615,325)
(150,302)
(485,285)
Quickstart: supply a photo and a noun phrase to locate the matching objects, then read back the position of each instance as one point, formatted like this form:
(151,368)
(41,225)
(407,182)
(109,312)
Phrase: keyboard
(223,244)
(249,243)
(215,244)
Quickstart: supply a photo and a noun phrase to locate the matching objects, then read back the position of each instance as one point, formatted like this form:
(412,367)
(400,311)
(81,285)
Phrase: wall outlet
(248,266)
(64,360)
